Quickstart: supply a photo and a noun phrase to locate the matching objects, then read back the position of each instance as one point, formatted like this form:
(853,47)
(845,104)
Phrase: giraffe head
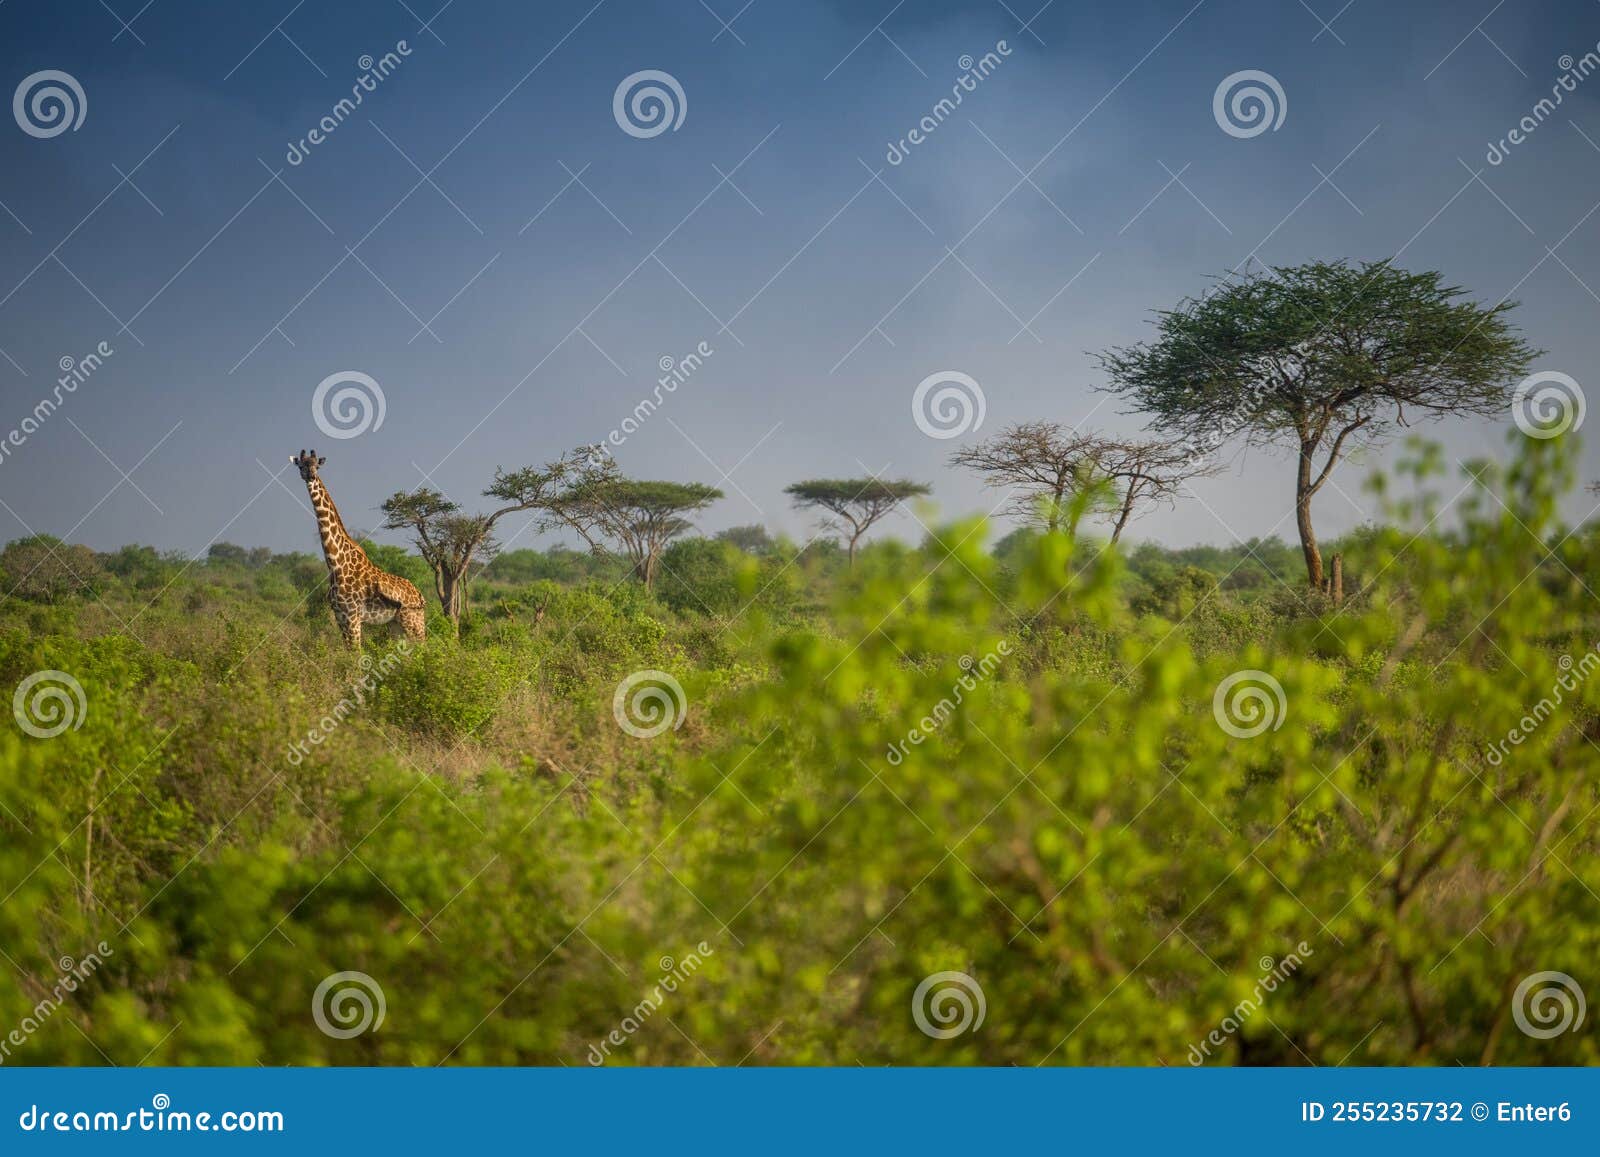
(308,463)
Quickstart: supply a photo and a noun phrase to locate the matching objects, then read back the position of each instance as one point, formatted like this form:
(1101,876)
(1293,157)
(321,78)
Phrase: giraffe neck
(338,547)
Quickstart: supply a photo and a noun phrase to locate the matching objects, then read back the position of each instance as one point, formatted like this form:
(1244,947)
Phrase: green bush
(443,690)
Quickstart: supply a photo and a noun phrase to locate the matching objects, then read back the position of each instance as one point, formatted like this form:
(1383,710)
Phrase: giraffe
(360,592)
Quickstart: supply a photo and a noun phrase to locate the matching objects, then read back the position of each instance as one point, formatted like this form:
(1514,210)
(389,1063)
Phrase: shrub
(445,691)
(46,569)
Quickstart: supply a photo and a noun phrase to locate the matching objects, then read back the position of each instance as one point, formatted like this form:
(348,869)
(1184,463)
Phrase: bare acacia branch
(1059,475)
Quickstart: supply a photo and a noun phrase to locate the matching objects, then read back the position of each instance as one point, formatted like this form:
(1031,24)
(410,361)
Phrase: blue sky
(556,259)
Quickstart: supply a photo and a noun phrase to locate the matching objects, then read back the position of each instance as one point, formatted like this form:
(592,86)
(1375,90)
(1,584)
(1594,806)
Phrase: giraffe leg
(413,621)
(349,620)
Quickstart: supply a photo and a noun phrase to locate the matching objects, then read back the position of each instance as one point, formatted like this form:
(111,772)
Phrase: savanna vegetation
(1010,755)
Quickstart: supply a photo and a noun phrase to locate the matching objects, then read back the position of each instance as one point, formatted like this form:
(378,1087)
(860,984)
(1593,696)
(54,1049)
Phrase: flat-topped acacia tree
(1320,357)
(856,503)
(640,517)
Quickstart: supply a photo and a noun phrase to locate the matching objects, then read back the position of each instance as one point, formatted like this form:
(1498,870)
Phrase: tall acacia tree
(1321,357)
(854,503)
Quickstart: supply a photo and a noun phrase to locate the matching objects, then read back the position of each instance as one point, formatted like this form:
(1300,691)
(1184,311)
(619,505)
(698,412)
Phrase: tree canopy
(640,517)
(856,503)
(1320,357)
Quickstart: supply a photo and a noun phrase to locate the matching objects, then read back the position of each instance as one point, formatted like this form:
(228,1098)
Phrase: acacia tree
(856,503)
(640,517)
(1146,470)
(452,542)
(449,541)
(1046,465)
(1321,357)
(1057,474)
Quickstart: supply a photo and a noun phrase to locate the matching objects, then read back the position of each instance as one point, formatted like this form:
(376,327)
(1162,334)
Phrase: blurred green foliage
(1078,834)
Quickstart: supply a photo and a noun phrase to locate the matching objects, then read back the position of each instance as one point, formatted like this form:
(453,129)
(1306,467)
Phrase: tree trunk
(1302,516)
(854,538)
(1058,503)
(1122,519)
(1336,583)
(450,598)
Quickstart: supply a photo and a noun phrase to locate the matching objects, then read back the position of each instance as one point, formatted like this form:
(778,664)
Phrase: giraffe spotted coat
(359,591)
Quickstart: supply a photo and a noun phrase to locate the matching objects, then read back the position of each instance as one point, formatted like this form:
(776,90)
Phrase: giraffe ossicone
(359,591)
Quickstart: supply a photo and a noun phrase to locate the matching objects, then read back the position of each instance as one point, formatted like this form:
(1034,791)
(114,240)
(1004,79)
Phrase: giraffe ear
(322,461)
